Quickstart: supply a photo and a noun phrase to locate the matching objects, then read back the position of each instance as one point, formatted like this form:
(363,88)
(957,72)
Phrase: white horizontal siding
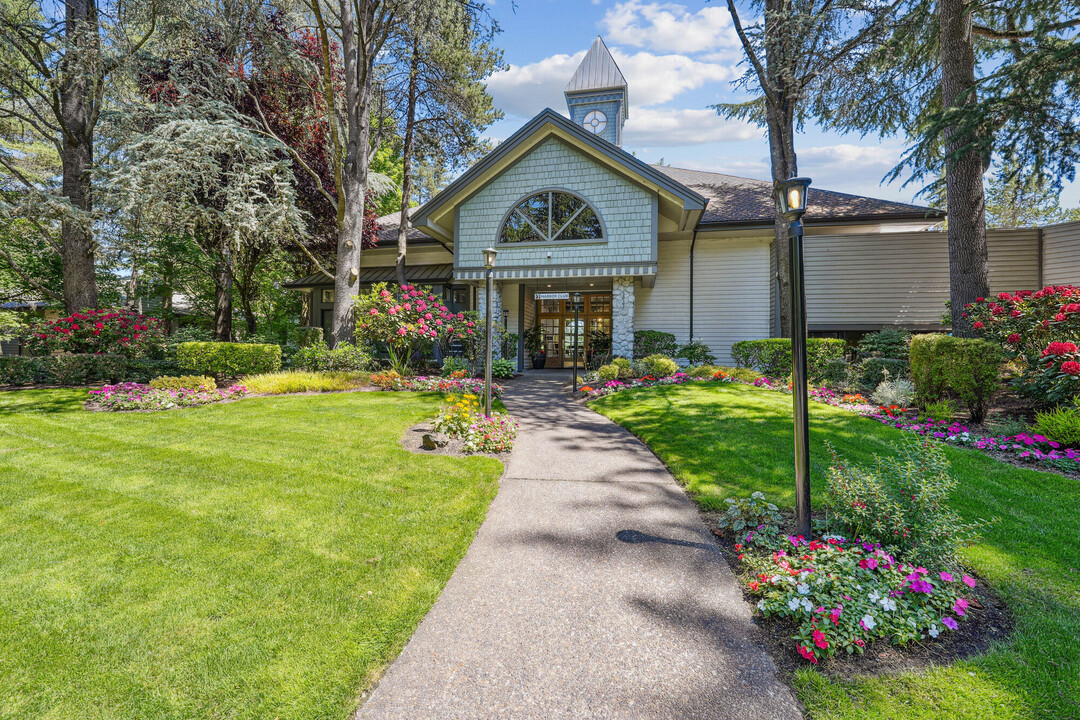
(1061,254)
(387,257)
(902,278)
(731,293)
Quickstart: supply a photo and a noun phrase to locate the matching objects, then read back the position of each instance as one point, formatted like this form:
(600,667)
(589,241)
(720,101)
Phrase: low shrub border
(136,396)
(80,369)
(229,359)
(772,356)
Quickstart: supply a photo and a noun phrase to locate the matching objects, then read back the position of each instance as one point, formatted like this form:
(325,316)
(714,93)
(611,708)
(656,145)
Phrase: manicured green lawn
(258,559)
(729,440)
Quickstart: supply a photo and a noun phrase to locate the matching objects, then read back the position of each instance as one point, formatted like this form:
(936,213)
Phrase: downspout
(693,242)
(1040,249)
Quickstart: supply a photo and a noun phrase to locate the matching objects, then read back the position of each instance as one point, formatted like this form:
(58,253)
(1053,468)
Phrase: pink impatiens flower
(819,639)
(949,623)
(947,577)
(968,580)
(960,607)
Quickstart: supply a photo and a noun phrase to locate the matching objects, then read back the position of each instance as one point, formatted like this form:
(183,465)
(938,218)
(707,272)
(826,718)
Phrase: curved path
(592,590)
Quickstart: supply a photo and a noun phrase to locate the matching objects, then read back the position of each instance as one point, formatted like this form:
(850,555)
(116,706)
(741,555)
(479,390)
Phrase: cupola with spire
(597,95)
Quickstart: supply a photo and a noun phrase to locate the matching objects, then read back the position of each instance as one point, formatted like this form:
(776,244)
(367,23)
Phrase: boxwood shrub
(227,358)
(772,357)
(967,368)
(654,342)
(80,369)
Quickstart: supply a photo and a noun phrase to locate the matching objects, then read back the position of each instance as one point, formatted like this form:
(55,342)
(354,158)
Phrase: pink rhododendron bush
(108,332)
(887,569)
(136,396)
(1041,332)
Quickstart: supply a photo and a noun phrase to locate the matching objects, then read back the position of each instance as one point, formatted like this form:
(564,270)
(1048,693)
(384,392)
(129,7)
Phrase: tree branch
(991,34)
(26,278)
(763,78)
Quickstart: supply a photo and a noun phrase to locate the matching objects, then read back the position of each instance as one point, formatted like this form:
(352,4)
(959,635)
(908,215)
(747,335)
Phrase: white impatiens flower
(868,622)
(933,631)
(794,604)
(874,596)
(807,606)
(802,588)
(761,605)
(889,604)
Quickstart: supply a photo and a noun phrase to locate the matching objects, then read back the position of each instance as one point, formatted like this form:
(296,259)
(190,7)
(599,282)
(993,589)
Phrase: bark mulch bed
(413,441)
(989,622)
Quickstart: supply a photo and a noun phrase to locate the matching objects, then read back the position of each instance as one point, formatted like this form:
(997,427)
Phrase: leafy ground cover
(725,440)
(260,559)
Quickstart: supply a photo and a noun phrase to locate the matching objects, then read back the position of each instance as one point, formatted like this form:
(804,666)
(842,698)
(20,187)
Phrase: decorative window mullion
(526,218)
(551,201)
(567,223)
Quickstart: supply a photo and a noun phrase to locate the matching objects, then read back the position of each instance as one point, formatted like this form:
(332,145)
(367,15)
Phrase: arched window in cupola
(551,215)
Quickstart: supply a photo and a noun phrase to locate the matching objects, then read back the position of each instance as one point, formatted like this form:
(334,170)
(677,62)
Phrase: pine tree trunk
(406,165)
(77,156)
(223,296)
(781,123)
(354,179)
(969,266)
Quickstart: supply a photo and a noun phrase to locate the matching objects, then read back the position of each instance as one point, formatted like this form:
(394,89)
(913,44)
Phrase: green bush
(902,502)
(696,352)
(608,372)
(229,359)
(702,371)
(452,365)
(899,392)
(942,410)
(772,357)
(885,350)
(660,365)
(318,357)
(503,368)
(184,382)
(80,369)
(967,368)
(305,336)
(1060,425)
(654,342)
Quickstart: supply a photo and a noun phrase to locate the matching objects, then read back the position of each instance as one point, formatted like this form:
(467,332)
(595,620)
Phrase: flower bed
(844,595)
(136,396)
(458,386)
(1032,448)
(463,418)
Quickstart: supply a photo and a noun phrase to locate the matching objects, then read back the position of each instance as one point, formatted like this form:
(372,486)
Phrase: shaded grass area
(257,559)
(730,440)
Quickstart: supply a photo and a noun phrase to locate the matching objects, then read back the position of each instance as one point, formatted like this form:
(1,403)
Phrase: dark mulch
(988,622)
(414,438)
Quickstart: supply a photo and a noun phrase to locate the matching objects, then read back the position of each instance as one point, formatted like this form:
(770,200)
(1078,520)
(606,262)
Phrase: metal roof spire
(597,71)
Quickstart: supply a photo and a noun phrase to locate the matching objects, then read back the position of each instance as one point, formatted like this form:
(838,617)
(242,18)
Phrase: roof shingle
(737,200)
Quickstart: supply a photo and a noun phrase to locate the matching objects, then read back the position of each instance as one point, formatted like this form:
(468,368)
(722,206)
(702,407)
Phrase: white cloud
(670,26)
(665,128)
(851,156)
(524,90)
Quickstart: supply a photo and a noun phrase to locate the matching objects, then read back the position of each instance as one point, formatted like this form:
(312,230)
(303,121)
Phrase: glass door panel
(570,350)
(552,338)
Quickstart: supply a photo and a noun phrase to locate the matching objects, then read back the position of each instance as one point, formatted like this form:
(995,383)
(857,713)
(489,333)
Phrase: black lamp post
(577,308)
(489,266)
(791,197)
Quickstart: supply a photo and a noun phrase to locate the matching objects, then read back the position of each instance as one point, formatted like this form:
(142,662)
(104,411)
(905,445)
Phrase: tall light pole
(577,308)
(489,265)
(791,197)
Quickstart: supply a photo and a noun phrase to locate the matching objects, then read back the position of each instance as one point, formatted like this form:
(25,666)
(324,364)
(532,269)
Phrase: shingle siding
(625,209)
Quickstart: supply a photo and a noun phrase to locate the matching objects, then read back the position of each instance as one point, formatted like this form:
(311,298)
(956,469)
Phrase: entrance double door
(557,326)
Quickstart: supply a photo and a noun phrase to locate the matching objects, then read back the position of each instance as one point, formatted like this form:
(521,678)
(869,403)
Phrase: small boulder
(434,441)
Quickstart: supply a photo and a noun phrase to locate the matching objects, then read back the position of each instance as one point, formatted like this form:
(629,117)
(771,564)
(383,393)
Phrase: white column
(622,317)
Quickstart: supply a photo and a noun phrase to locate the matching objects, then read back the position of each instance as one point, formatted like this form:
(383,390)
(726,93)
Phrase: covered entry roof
(415,273)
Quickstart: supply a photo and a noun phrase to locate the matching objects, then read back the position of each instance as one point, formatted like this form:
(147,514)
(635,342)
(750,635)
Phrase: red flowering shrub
(1040,330)
(405,320)
(111,332)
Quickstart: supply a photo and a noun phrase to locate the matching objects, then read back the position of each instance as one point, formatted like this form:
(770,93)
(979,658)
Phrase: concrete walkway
(592,590)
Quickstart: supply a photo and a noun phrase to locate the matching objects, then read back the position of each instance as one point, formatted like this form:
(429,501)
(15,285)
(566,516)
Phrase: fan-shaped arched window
(551,215)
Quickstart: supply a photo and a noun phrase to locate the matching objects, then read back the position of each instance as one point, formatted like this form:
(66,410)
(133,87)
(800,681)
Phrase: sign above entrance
(551,296)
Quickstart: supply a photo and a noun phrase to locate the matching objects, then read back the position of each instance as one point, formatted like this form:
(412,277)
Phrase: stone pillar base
(622,317)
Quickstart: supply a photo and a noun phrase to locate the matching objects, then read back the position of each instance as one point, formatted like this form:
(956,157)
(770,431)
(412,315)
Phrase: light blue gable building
(656,247)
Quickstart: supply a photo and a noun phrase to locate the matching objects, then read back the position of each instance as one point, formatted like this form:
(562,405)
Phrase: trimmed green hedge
(227,358)
(654,342)
(772,357)
(80,369)
(968,368)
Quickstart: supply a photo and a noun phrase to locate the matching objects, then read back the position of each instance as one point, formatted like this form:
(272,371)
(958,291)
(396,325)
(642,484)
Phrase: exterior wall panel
(865,281)
(731,293)
(1061,254)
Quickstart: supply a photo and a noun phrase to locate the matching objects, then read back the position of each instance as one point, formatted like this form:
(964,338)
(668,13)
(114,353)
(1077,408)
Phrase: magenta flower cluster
(136,396)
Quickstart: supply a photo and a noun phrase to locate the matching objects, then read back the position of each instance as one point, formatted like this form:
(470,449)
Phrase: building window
(328,296)
(551,215)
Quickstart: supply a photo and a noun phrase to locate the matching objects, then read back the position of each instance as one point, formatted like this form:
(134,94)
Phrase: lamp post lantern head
(791,194)
(489,258)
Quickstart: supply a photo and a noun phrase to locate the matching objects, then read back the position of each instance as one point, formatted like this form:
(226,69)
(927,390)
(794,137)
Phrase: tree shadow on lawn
(53,400)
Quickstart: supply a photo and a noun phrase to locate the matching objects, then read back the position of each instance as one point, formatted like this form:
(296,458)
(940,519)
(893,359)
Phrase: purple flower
(947,577)
(949,622)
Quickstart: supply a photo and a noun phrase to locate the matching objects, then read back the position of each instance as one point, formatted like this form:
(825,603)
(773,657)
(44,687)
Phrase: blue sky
(678,58)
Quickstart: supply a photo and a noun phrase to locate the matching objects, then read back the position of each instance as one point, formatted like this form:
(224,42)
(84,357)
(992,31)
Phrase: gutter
(693,242)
